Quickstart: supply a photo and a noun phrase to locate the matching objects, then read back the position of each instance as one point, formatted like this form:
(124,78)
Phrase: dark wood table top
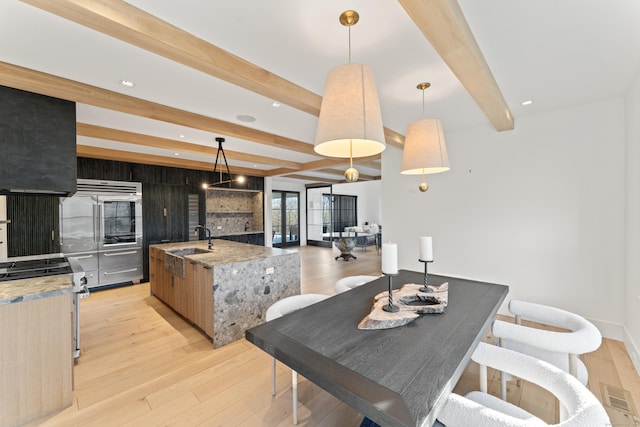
(396,377)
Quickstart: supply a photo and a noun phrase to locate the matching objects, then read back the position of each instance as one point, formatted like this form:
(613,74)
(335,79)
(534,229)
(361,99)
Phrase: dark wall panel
(34,227)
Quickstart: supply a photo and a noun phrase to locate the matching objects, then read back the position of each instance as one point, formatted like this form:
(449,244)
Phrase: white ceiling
(558,53)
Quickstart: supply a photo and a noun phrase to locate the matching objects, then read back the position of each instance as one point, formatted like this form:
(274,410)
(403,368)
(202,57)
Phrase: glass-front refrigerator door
(120,221)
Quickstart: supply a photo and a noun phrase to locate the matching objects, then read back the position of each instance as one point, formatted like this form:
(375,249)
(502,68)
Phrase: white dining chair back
(558,348)
(350,282)
(278,309)
(480,409)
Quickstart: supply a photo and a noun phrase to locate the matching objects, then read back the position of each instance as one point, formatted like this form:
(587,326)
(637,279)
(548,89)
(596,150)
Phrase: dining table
(396,377)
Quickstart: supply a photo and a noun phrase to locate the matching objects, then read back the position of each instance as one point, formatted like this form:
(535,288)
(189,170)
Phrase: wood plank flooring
(143,365)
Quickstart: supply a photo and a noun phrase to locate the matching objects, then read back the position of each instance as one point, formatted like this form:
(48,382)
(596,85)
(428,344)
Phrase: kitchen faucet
(208,234)
(246,226)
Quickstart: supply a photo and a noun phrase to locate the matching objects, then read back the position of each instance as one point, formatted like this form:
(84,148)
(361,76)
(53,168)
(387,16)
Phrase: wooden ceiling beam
(317,164)
(125,22)
(110,134)
(150,159)
(340,172)
(58,87)
(315,180)
(444,25)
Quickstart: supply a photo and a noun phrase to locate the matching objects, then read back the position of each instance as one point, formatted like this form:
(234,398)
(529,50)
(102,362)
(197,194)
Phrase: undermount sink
(188,251)
(174,259)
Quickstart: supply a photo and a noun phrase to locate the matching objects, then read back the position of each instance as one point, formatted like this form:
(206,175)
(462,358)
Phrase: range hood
(37,144)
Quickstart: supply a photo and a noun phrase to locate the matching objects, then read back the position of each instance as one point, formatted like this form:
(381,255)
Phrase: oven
(29,267)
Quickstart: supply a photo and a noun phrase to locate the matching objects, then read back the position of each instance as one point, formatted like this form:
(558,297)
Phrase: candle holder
(390,308)
(425,282)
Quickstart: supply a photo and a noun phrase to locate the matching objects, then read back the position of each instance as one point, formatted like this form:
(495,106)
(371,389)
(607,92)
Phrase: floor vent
(617,398)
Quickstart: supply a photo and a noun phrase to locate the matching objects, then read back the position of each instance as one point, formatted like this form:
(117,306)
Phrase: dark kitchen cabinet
(34,227)
(164,215)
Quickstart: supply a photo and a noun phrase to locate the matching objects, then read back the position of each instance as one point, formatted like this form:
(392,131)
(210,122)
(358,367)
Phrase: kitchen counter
(223,251)
(40,287)
(226,290)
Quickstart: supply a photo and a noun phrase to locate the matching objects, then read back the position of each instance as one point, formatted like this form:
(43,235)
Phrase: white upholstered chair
(480,409)
(558,348)
(278,309)
(350,282)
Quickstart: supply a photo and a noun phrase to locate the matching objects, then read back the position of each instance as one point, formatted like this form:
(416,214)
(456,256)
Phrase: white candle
(390,258)
(426,250)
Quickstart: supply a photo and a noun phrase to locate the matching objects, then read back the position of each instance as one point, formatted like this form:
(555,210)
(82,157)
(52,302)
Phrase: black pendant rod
(220,140)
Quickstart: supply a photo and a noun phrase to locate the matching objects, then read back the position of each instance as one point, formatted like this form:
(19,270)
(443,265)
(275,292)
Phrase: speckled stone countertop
(223,252)
(39,287)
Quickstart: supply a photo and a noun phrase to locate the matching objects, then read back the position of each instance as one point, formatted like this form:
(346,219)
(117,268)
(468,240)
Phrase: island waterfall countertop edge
(222,252)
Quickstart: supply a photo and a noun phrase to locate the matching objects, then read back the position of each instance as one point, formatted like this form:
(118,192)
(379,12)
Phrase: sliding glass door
(319,217)
(285,222)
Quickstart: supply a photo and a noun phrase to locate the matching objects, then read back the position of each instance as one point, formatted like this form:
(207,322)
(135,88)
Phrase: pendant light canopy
(350,121)
(425,151)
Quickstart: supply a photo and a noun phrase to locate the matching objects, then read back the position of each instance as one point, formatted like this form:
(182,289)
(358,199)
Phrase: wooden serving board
(412,303)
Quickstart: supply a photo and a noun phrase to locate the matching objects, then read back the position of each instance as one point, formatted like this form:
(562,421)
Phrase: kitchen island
(224,290)
(36,366)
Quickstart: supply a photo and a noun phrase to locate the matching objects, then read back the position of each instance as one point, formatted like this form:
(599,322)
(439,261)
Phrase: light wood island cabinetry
(36,356)
(224,290)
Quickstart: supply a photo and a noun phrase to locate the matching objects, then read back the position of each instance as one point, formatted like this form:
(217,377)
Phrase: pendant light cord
(349,45)
(351,153)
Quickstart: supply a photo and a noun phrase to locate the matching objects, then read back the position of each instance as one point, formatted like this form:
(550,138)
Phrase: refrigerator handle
(94,207)
(100,215)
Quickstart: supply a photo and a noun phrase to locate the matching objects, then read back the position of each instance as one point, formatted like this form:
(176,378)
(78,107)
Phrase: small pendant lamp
(424,150)
(350,121)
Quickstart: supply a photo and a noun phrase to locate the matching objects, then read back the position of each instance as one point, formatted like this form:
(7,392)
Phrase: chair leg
(483,378)
(573,364)
(294,388)
(273,376)
(503,386)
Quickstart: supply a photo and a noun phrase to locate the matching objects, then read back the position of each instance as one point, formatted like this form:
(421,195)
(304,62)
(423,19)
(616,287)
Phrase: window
(339,211)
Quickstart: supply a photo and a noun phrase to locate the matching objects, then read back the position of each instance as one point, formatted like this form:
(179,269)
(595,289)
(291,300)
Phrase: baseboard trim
(613,331)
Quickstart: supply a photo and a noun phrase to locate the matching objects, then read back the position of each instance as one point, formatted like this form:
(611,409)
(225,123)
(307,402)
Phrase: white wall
(369,199)
(540,208)
(632,287)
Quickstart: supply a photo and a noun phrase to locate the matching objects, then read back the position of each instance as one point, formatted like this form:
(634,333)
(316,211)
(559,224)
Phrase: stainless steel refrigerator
(101,225)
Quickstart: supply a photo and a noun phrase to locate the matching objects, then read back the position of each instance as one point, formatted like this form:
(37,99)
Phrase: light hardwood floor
(143,365)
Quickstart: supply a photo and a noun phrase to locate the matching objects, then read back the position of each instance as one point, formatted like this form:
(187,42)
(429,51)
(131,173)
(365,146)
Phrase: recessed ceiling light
(176,154)
(255,166)
(181,136)
(528,102)
(246,118)
(275,104)
(127,83)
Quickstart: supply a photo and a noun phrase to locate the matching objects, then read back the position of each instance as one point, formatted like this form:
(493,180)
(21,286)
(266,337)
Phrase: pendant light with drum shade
(424,150)
(350,121)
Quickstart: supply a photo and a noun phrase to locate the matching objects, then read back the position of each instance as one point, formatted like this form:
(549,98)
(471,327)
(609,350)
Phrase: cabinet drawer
(120,274)
(88,261)
(120,258)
